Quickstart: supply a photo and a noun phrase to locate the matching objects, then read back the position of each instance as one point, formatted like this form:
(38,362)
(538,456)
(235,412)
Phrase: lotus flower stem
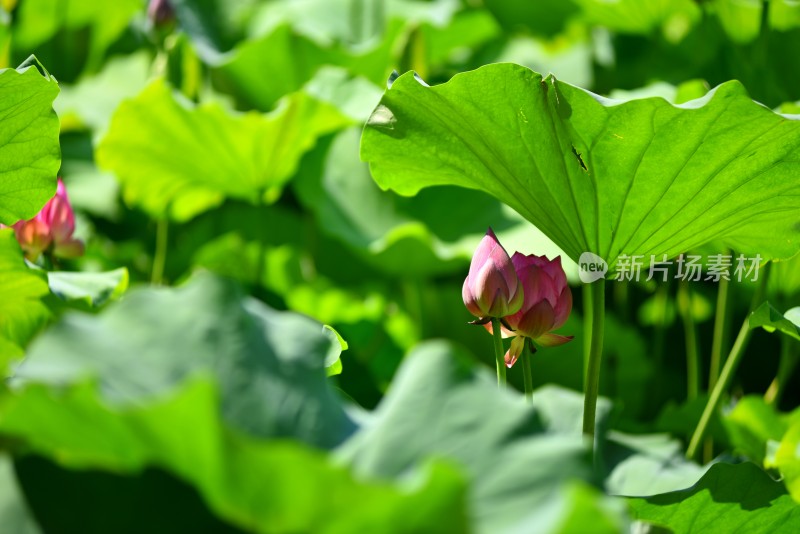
(690,330)
(499,353)
(526,374)
(160,256)
(786,366)
(592,383)
(587,327)
(728,370)
(719,342)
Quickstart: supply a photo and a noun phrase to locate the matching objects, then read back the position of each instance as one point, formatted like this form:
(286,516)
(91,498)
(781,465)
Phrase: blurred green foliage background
(226,138)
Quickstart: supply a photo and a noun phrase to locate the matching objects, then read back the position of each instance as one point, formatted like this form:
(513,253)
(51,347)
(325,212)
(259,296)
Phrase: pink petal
(514,351)
(491,291)
(563,308)
(491,251)
(536,321)
(33,236)
(556,273)
(482,253)
(58,214)
(538,286)
(469,299)
(521,260)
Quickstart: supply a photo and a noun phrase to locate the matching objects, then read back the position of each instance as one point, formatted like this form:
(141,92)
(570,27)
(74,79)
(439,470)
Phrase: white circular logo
(591,267)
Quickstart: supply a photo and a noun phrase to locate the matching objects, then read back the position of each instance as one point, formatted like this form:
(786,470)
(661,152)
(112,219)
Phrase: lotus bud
(492,288)
(51,229)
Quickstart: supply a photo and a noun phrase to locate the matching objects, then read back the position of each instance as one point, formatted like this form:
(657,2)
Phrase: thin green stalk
(499,353)
(721,331)
(526,373)
(587,327)
(592,384)
(786,367)
(719,344)
(160,256)
(728,370)
(684,298)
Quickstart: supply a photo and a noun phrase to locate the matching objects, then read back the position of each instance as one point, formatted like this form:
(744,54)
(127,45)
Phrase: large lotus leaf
(22,312)
(261,486)
(642,177)
(519,459)
(269,366)
(729,498)
(87,288)
(177,159)
(405,236)
(29,151)
(647,464)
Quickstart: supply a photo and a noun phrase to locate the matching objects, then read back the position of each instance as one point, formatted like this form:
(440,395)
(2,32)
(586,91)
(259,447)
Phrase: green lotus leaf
(260,486)
(177,159)
(155,339)
(29,150)
(521,460)
(87,288)
(643,177)
(729,498)
(405,236)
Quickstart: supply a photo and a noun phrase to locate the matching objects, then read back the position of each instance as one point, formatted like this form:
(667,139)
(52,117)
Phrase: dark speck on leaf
(580,159)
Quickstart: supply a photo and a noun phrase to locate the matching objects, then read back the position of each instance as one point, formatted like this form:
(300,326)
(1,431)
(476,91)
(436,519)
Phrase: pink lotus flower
(547,304)
(51,229)
(492,288)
